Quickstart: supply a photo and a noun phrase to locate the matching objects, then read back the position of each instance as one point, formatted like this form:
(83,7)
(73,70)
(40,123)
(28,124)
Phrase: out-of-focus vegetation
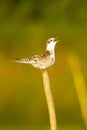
(24,28)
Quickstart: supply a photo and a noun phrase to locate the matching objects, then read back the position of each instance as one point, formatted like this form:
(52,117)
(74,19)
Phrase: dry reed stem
(49,99)
(79,83)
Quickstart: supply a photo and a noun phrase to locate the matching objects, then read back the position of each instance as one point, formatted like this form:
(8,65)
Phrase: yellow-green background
(25,25)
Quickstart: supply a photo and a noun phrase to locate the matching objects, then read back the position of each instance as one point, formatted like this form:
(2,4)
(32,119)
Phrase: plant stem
(49,99)
(79,82)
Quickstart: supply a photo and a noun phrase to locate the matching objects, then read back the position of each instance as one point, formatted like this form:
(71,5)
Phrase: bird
(44,60)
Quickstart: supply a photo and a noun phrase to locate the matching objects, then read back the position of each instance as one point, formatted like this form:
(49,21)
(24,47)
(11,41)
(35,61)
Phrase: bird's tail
(20,60)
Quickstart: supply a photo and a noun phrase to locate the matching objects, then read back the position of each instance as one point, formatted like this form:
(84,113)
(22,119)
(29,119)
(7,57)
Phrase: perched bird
(44,60)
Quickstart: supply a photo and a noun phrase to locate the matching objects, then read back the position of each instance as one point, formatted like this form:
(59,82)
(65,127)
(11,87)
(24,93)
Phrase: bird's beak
(56,39)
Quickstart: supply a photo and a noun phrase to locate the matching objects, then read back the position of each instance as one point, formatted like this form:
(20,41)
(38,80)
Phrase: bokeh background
(24,28)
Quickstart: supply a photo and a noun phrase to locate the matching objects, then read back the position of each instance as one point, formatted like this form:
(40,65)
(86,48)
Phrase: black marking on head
(50,40)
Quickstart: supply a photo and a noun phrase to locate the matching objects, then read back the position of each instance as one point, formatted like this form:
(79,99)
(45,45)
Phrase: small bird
(42,61)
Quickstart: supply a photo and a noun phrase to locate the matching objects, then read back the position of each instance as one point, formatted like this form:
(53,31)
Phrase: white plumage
(44,60)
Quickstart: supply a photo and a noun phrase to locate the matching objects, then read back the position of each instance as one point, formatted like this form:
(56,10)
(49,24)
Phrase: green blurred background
(24,28)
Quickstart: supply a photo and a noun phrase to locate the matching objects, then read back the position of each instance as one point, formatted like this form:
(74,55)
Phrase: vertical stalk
(49,98)
(79,83)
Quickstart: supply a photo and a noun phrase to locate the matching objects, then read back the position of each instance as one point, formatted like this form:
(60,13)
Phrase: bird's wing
(33,59)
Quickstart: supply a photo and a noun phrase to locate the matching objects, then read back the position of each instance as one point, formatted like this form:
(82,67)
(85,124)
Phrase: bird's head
(51,44)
